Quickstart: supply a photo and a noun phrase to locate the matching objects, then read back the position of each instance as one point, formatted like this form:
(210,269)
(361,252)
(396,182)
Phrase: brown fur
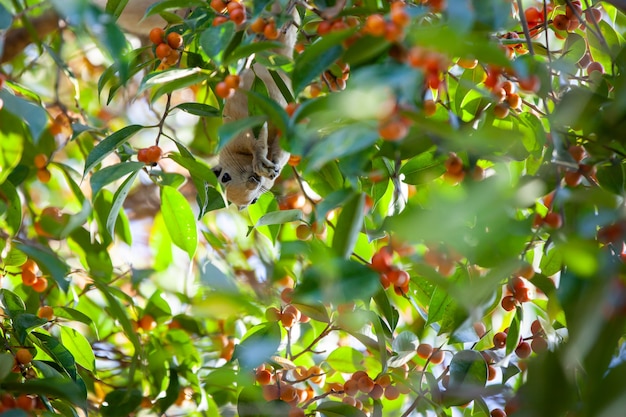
(248,166)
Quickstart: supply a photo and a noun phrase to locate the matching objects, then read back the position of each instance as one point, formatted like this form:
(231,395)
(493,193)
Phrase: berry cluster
(167,47)
(31,276)
(382,262)
(230,10)
(226,88)
(150,155)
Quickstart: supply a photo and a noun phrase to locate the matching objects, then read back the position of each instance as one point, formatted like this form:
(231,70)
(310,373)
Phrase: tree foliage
(448,238)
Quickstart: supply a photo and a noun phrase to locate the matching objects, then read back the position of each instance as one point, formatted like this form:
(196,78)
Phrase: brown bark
(16,40)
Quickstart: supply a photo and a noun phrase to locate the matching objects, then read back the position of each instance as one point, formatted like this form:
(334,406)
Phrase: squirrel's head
(243,187)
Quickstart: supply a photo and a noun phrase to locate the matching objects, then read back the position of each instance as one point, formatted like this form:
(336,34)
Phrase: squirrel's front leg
(262,166)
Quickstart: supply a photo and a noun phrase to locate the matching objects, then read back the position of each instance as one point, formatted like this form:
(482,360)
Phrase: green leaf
(108,145)
(112,173)
(349,226)
(316,58)
(118,200)
(58,352)
(342,143)
(49,262)
(280,217)
(258,345)
(335,280)
(33,115)
(79,347)
(63,388)
(244,51)
(121,402)
(215,39)
(10,207)
(172,391)
(345,359)
(228,131)
(7,362)
(270,108)
(165,82)
(23,323)
(512,337)
(157,306)
(199,109)
(11,148)
(179,220)
(117,311)
(12,304)
(423,168)
(337,409)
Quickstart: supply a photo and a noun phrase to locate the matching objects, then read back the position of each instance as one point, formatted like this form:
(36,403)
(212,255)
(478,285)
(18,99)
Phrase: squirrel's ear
(217,171)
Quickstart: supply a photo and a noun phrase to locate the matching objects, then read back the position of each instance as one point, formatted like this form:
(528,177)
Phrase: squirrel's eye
(226,177)
(254,201)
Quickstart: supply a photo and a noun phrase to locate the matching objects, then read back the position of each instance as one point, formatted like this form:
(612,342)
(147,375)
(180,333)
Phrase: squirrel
(248,165)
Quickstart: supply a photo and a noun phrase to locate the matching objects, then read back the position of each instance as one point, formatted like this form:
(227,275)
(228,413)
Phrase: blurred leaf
(336,281)
(157,306)
(55,387)
(179,220)
(167,81)
(215,39)
(345,359)
(121,402)
(513,336)
(280,217)
(7,362)
(228,131)
(316,58)
(349,225)
(199,109)
(33,115)
(337,409)
(423,168)
(10,206)
(172,392)
(258,345)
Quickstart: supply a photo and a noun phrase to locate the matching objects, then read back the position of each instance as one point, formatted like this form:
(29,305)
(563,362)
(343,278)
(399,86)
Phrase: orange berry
(25,402)
(172,58)
(377,392)
(258,25)
(222,90)
(45,312)
(538,344)
(157,35)
(174,40)
(218,5)
(272,314)
(365,385)
(232,81)
(28,277)
(560,22)
(424,350)
(501,110)
(163,50)
(491,373)
(286,295)
(218,20)
(40,161)
(508,303)
(288,320)
(499,340)
(233,5)
(454,165)
(430,107)
(23,356)
(40,285)
(324,27)
(531,84)
(316,375)
(523,350)
(351,387)
(467,63)
(296,412)
(375,25)
(270,31)
(43,175)
(393,129)
(294,160)
(392,392)
(237,16)
(303,232)
(291,108)
(553,220)
(271,392)
(398,277)
(382,259)
(7,400)
(147,322)
(514,101)
(149,155)
(263,377)
(573,178)
(437,357)
(497,412)
(29,265)
(595,66)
